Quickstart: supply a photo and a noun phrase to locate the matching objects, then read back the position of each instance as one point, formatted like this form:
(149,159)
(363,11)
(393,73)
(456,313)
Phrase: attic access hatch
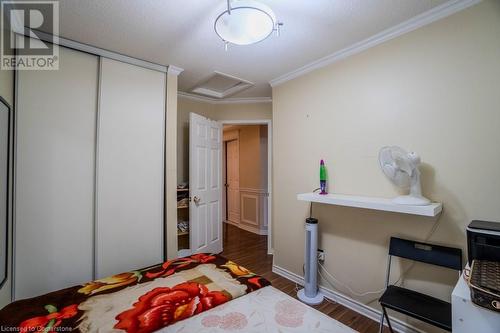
(220,85)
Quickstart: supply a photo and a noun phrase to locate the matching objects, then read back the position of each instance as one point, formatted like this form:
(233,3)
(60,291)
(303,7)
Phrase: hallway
(250,251)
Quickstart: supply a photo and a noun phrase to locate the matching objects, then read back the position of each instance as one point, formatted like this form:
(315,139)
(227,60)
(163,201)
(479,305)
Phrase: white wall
(435,91)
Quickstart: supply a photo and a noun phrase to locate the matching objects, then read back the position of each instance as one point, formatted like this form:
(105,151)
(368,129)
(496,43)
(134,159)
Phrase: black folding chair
(412,303)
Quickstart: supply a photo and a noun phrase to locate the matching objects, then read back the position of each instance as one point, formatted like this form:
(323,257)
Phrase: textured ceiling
(180,33)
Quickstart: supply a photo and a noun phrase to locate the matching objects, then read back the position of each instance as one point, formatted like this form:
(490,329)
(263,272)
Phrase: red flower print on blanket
(163,306)
(170,267)
(48,322)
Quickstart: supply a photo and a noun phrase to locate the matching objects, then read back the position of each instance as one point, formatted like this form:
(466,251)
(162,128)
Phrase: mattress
(144,300)
(267,310)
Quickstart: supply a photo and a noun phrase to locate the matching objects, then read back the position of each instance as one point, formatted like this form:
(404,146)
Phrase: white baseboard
(248,228)
(397,324)
(232,223)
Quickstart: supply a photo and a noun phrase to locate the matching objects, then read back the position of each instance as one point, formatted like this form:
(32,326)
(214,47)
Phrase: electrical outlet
(321,255)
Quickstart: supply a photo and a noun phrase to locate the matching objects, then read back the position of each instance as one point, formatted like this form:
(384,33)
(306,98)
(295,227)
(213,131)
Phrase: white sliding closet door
(130,168)
(55,166)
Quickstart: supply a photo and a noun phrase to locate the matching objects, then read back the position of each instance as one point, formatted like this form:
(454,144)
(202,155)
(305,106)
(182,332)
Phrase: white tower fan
(310,294)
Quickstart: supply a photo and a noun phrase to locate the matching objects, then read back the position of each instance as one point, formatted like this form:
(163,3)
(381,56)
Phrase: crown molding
(430,16)
(72,44)
(174,70)
(209,100)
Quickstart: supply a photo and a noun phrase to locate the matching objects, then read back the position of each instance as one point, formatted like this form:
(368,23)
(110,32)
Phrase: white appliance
(468,317)
(401,168)
(311,294)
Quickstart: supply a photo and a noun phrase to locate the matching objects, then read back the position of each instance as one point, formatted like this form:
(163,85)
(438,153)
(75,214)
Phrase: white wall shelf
(371,203)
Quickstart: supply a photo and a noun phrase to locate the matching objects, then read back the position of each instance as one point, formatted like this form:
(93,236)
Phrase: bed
(199,293)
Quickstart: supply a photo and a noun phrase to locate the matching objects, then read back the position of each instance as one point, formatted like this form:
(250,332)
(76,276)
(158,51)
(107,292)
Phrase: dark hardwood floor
(250,251)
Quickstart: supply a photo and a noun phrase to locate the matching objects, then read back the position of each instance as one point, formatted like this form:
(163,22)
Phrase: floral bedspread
(142,301)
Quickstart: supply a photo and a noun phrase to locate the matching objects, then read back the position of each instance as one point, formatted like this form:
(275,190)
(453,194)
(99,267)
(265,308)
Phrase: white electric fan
(401,168)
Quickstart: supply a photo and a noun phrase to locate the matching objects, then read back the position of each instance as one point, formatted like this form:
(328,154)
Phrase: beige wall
(7,92)
(249,139)
(435,91)
(243,111)
(215,112)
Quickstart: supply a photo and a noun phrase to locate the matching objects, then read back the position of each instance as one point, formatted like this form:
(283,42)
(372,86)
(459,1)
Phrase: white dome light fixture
(246,22)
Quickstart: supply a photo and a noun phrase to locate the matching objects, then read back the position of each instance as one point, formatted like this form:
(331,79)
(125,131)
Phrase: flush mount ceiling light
(246,22)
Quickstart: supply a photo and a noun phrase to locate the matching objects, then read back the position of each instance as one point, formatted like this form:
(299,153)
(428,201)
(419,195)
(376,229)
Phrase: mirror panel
(4,186)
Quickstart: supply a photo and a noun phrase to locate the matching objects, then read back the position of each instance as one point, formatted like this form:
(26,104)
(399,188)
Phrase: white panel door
(233,181)
(130,168)
(205,146)
(55,166)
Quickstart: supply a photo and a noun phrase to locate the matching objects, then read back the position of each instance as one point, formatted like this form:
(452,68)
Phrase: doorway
(246,177)
(205,191)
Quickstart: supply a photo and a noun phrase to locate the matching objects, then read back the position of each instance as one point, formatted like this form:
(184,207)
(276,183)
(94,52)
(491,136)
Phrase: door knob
(196,199)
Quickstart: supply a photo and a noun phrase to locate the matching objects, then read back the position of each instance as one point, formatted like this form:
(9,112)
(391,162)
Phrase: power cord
(327,299)
(352,291)
(311,203)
